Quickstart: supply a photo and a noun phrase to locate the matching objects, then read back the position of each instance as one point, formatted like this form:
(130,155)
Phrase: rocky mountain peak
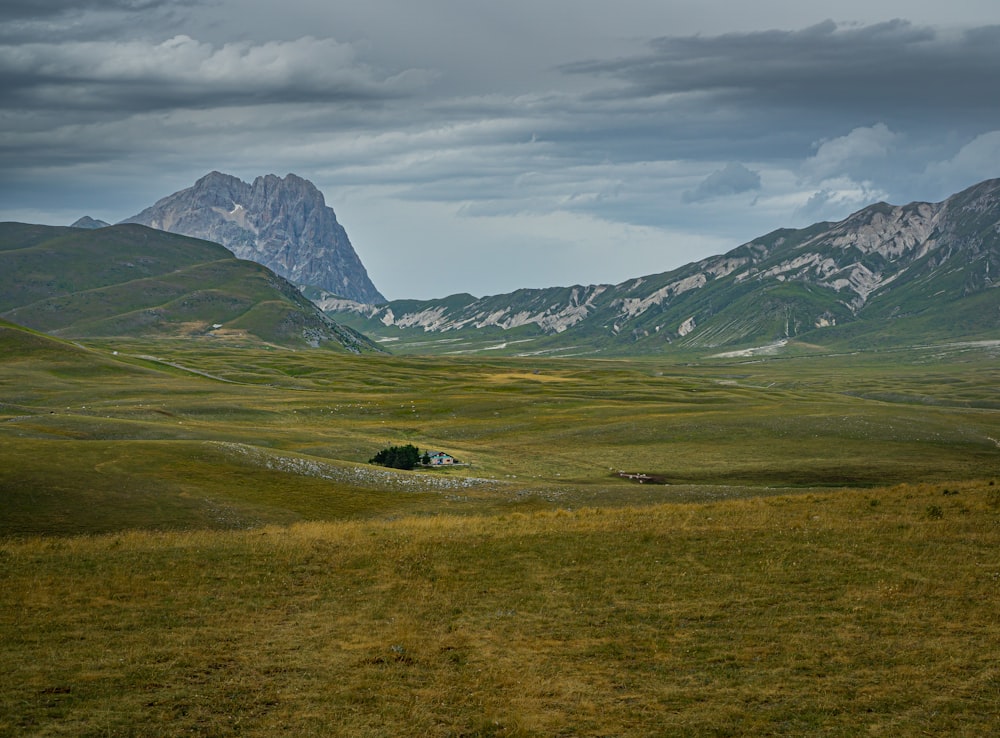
(87,222)
(283,223)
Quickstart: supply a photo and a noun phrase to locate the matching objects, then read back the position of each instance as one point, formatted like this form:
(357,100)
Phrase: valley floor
(184,555)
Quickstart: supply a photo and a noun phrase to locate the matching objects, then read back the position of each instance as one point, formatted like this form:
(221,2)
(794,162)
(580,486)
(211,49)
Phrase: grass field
(192,543)
(842,613)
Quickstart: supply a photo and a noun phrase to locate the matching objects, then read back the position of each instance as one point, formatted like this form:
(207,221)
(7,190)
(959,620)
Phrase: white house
(440,458)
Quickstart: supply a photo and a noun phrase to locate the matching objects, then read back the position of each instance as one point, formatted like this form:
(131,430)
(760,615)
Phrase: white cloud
(837,198)
(975,161)
(849,155)
(734,179)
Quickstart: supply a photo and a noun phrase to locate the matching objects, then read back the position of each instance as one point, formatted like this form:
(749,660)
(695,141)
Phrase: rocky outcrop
(282,223)
(550,311)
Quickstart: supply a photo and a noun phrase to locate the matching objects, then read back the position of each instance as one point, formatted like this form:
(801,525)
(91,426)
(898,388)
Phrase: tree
(397,457)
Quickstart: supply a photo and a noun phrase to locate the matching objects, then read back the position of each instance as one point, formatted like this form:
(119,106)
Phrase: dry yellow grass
(520,376)
(849,613)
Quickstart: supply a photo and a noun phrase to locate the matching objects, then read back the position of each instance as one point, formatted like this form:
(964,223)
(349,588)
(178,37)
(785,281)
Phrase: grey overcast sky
(480,147)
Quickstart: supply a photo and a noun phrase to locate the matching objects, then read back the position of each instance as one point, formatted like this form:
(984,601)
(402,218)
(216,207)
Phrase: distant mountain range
(885,274)
(284,224)
(130,280)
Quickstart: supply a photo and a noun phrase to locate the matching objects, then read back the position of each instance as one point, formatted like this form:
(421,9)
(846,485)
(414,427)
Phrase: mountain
(283,224)
(88,222)
(130,280)
(885,274)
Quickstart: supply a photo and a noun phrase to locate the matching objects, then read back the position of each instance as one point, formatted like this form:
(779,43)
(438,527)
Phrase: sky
(484,147)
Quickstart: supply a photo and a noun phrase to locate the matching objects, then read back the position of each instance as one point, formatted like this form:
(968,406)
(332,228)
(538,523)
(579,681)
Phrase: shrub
(397,457)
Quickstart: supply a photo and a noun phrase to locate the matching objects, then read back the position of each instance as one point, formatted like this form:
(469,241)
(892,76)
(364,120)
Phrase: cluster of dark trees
(400,457)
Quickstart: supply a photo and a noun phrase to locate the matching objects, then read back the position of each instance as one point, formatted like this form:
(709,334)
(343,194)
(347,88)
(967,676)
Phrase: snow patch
(237,215)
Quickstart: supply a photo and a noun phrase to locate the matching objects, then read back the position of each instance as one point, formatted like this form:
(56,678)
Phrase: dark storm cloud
(889,69)
(40,9)
(130,76)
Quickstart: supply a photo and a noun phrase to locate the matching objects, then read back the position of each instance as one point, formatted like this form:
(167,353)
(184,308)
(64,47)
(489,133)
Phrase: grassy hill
(129,280)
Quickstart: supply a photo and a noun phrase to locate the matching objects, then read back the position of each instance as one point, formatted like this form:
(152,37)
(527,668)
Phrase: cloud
(837,199)
(734,179)
(858,151)
(183,72)
(977,160)
(483,254)
(886,68)
(37,9)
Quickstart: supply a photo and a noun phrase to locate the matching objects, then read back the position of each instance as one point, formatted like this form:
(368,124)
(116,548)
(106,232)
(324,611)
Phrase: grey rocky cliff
(282,223)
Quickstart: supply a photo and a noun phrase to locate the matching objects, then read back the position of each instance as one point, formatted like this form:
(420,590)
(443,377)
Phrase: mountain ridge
(883,262)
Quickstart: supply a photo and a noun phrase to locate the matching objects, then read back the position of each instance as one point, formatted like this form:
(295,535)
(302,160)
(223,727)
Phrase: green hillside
(130,280)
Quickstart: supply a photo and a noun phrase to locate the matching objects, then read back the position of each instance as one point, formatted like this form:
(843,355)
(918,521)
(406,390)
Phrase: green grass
(153,426)
(191,542)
